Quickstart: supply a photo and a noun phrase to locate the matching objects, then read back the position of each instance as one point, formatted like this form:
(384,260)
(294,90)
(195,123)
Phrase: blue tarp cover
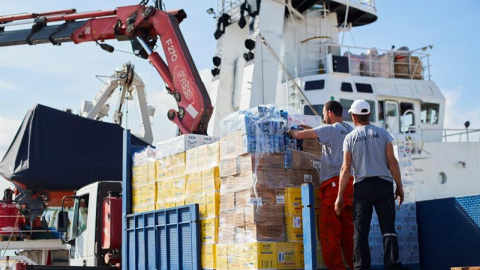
(56,150)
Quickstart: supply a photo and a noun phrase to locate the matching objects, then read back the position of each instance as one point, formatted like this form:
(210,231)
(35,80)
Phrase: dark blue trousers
(374,192)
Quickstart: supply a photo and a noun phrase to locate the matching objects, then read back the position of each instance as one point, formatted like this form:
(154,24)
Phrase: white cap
(360,107)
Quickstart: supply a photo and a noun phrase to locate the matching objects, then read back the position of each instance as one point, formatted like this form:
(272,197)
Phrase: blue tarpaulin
(56,150)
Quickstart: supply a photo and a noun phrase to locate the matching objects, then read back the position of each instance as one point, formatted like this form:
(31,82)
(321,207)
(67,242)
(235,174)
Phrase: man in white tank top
(369,150)
(336,232)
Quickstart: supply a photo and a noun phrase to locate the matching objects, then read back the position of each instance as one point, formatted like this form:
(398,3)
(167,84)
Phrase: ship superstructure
(290,54)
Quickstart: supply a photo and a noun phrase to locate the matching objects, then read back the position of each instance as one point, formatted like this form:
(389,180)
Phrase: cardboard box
(150,193)
(209,230)
(264,215)
(299,256)
(227,201)
(256,232)
(211,179)
(256,197)
(202,205)
(178,187)
(194,183)
(222,256)
(214,154)
(235,183)
(286,255)
(232,218)
(294,228)
(258,255)
(297,177)
(272,178)
(227,234)
(293,201)
(209,256)
(212,200)
(181,144)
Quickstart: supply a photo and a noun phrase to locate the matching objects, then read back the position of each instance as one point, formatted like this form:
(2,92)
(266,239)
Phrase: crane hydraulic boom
(143,26)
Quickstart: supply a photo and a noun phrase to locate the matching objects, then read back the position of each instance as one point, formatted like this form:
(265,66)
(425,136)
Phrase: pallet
(466,268)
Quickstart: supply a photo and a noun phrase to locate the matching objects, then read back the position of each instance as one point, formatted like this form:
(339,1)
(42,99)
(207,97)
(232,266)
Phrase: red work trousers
(336,232)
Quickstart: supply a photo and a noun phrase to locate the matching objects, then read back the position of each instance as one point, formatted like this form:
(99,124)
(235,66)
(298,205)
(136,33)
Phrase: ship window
(314,85)
(429,113)
(347,87)
(308,111)
(381,115)
(364,88)
(407,114)
(346,103)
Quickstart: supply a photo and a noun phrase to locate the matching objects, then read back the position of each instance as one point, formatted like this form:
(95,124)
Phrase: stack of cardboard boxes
(260,202)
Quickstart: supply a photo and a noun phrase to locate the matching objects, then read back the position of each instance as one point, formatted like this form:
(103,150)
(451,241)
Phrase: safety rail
(321,57)
(451,135)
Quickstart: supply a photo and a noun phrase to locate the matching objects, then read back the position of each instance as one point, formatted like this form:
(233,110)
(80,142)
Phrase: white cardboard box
(182,143)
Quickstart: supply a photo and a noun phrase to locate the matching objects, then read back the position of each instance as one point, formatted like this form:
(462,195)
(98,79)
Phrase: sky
(60,76)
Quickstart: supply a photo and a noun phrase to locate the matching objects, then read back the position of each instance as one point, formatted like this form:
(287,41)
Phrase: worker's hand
(305,126)
(338,205)
(399,194)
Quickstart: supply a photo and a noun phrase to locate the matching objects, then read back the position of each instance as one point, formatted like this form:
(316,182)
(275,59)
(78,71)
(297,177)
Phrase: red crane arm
(142,25)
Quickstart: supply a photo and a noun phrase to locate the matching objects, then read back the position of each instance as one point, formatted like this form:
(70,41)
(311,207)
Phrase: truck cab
(96,210)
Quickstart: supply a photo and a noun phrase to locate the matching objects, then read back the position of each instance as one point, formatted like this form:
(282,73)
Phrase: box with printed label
(211,179)
(150,193)
(272,178)
(194,183)
(227,234)
(202,205)
(293,201)
(222,256)
(255,232)
(227,201)
(257,196)
(178,187)
(192,160)
(181,144)
(299,256)
(264,215)
(294,228)
(258,255)
(298,177)
(209,256)
(236,182)
(286,255)
(214,154)
(232,218)
(212,200)
(209,230)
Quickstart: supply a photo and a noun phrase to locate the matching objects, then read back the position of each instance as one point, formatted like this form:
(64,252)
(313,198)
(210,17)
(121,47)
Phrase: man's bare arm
(344,179)
(302,134)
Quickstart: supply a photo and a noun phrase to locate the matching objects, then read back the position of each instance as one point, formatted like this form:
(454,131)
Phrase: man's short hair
(363,118)
(335,107)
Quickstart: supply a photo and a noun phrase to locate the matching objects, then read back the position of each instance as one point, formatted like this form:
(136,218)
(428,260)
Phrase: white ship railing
(370,62)
(454,135)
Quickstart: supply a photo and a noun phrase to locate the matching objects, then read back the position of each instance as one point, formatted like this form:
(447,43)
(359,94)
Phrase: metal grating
(169,240)
(449,232)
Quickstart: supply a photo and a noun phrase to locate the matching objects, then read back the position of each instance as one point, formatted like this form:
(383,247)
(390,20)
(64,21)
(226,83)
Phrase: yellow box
(222,256)
(179,159)
(209,228)
(294,228)
(202,205)
(202,157)
(194,183)
(209,257)
(293,201)
(299,256)
(178,187)
(139,193)
(213,203)
(149,207)
(190,199)
(152,172)
(164,189)
(150,191)
(286,255)
(179,202)
(210,179)
(161,169)
(160,205)
(258,255)
(191,160)
(235,257)
(214,154)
